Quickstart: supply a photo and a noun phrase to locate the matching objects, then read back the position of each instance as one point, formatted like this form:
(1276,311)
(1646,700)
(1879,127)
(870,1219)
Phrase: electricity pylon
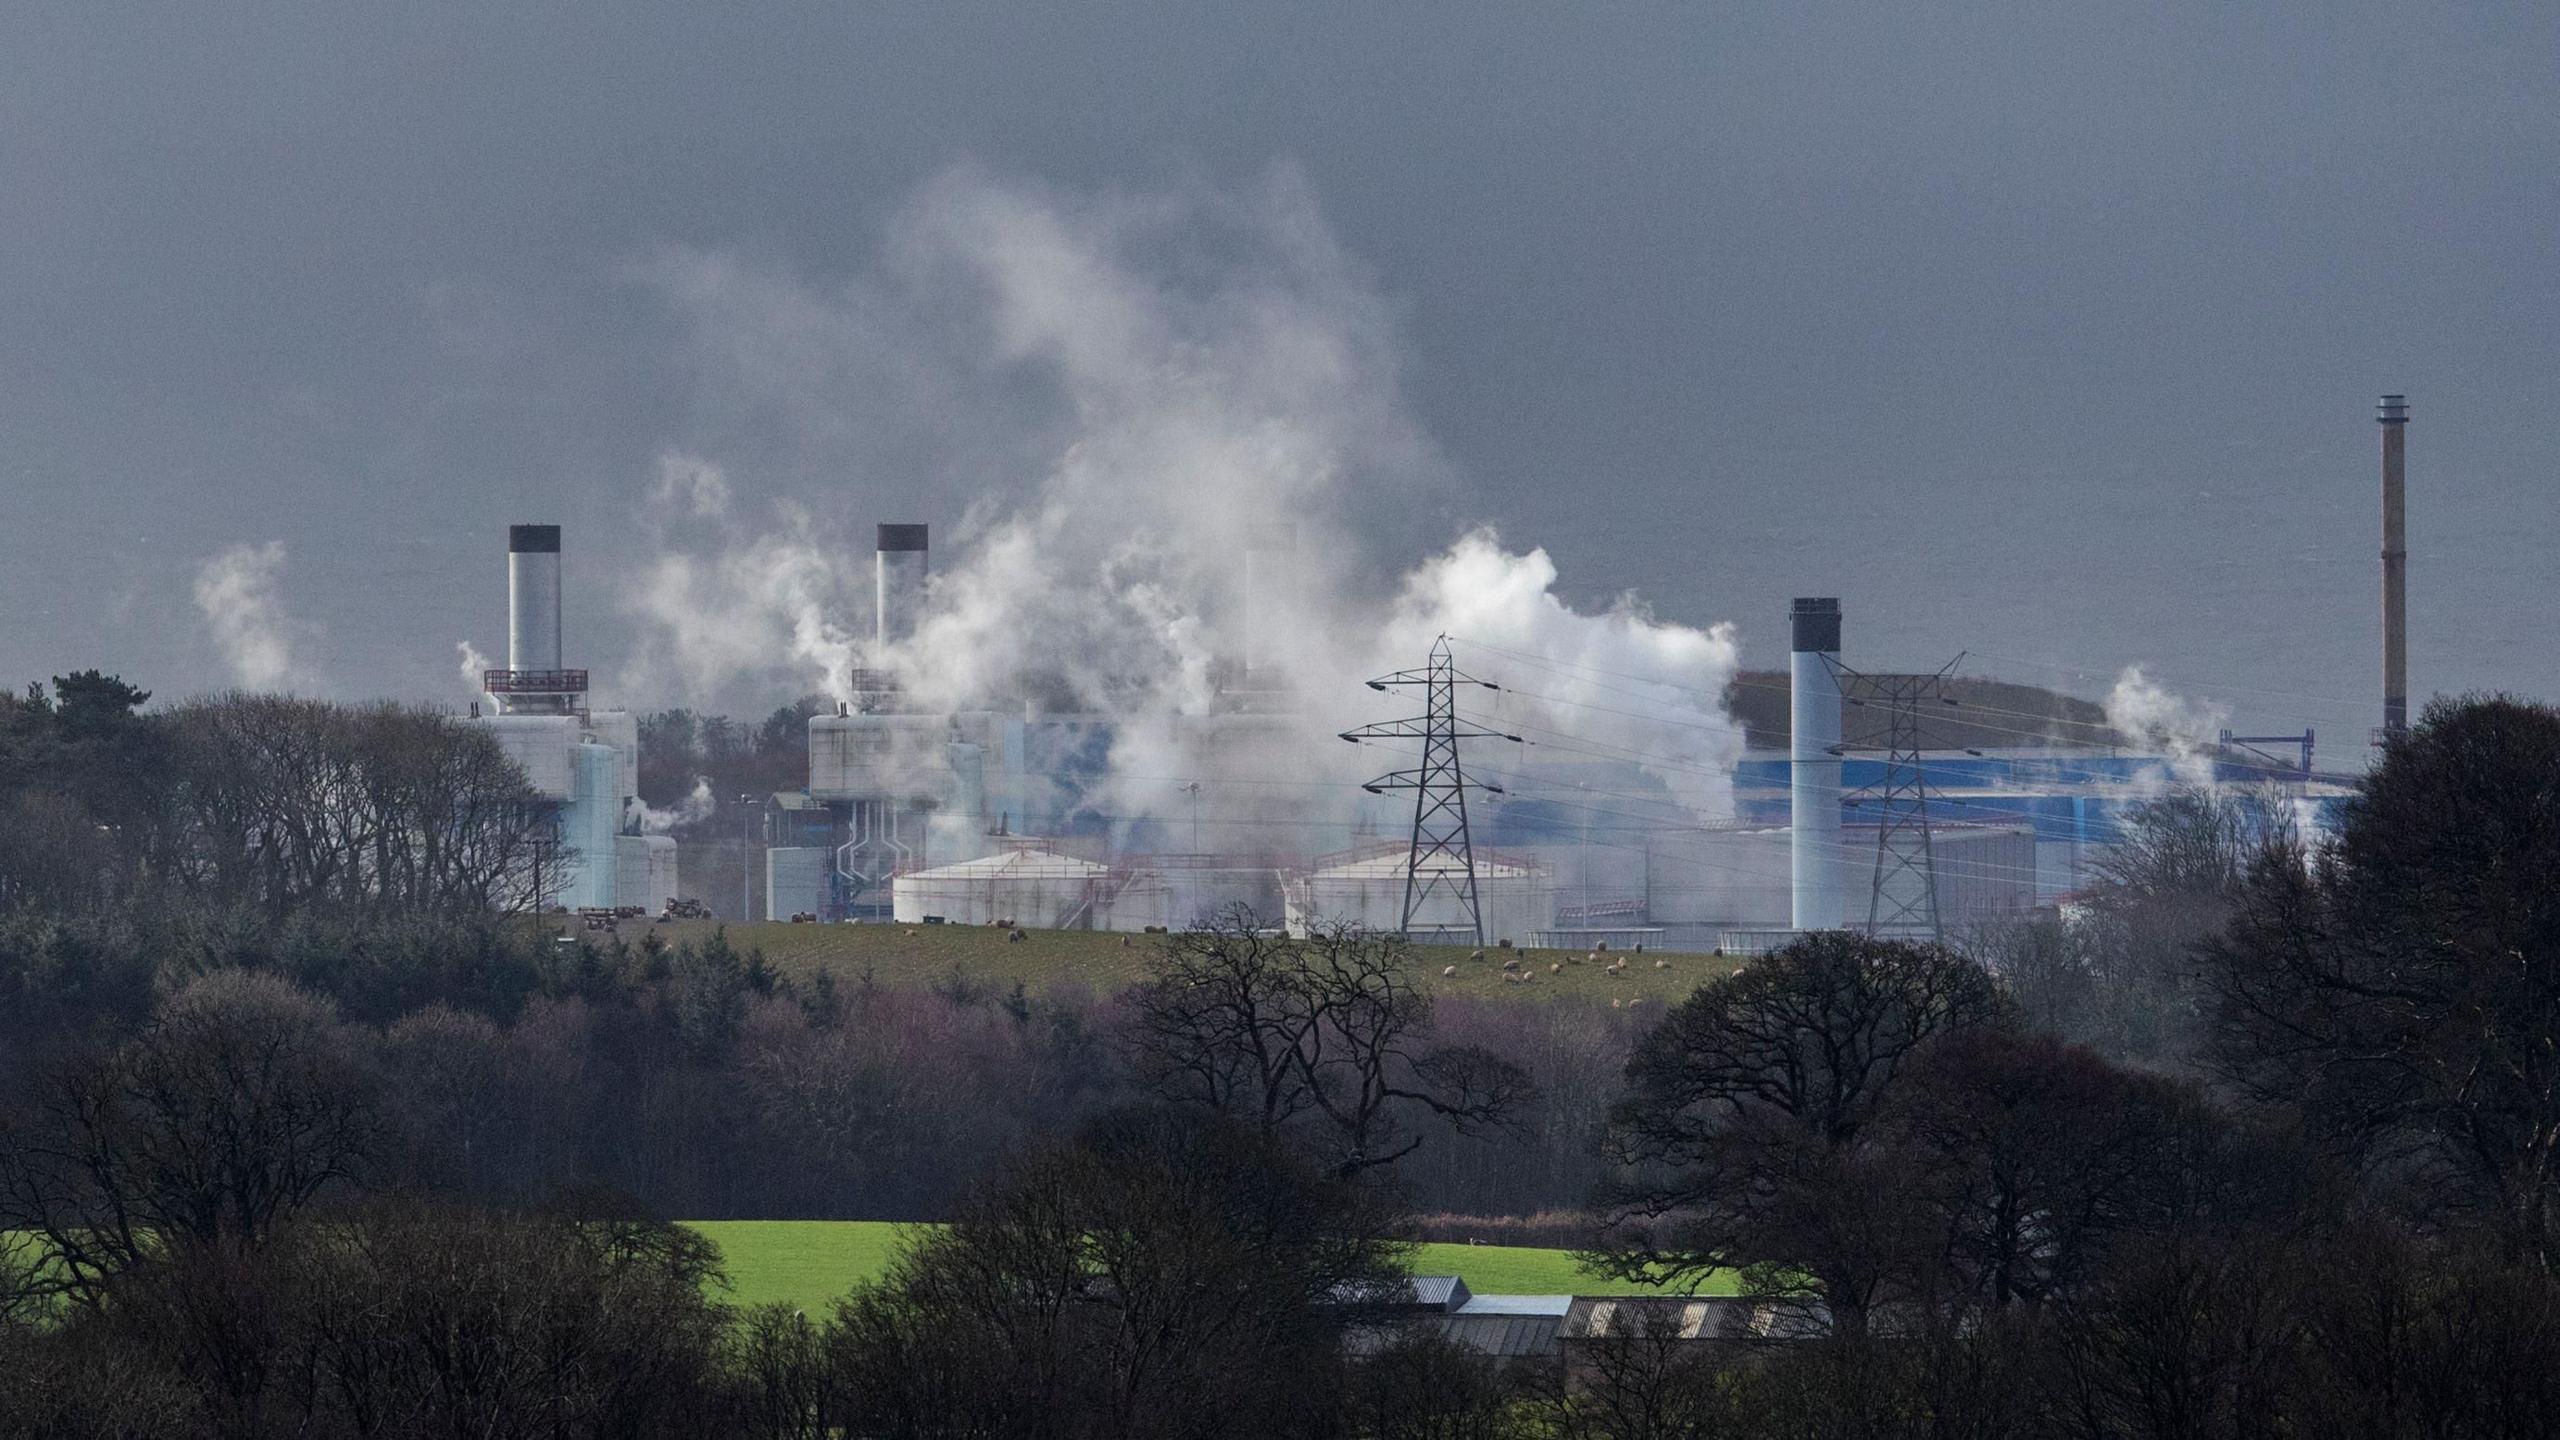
(1442,864)
(1902,899)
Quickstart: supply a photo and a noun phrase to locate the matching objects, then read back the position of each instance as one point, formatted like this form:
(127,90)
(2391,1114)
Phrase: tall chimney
(2393,412)
(1813,769)
(533,597)
(898,569)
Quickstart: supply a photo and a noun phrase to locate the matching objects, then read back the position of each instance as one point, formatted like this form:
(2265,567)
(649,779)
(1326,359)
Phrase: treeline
(265,805)
(2259,1140)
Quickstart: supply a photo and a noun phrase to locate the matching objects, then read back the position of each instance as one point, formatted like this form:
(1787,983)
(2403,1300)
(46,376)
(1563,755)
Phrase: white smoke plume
(722,604)
(1191,375)
(238,593)
(474,667)
(693,809)
(2185,732)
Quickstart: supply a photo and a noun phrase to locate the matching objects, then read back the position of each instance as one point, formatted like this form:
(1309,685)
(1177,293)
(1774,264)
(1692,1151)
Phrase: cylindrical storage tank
(1813,770)
(795,881)
(898,573)
(1034,888)
(533,597)
(590,824)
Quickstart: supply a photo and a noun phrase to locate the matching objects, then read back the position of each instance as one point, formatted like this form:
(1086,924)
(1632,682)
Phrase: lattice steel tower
(1902,899)
(1442,865)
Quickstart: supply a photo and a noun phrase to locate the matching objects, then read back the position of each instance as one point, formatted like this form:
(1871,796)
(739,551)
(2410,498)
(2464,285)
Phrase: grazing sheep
(1603,945)
(1510,964)
(1555,967)
(1448,970)
(1661,964)
(1475,954)
(1616,1004)
(1639,947)
(1124,942)
(1593,956)
(1015,937)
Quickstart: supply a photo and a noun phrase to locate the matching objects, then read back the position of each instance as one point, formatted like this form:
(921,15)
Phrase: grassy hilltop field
(808,1264)
(913,957)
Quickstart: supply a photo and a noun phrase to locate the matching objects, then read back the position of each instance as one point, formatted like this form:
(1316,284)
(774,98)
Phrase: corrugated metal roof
(1551,1306)
(1439,1292)
(1506,1337)
(1692,1318)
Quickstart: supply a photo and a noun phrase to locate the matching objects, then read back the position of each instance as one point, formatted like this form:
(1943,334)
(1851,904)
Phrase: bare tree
(1327,1038)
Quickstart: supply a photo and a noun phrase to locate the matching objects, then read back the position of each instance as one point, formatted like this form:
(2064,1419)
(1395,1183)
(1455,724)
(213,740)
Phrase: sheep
(1555,967)
(1015,937)
(1594,956)
(1475,954)
(1661,964)
(1603,945)
(1447,971)
(1511,965)
(1617,1004)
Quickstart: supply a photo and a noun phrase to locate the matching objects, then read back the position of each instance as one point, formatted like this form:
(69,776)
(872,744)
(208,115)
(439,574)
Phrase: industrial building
(981,814)
(585,763)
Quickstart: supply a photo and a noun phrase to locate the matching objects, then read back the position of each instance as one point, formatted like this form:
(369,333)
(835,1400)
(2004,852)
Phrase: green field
(912,957)
(808,1263)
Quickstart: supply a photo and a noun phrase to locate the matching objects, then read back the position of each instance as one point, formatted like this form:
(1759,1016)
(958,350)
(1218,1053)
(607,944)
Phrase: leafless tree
(1326,1037)
(280,804)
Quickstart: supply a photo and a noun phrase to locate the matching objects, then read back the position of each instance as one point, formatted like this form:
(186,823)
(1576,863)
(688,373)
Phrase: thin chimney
(2393,413)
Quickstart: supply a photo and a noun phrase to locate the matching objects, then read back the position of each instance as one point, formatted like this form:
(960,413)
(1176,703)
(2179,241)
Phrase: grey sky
(2048,333)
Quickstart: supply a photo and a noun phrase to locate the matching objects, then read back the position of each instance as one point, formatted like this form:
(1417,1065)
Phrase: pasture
(807,1264)
(918,956)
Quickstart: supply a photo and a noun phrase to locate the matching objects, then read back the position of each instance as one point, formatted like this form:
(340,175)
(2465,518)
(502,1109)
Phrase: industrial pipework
(2393,413)
(1813,770)
(898,571)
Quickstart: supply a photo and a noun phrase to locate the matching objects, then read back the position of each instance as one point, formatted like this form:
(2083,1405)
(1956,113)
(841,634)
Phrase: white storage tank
(1034,887)
(1366,889)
